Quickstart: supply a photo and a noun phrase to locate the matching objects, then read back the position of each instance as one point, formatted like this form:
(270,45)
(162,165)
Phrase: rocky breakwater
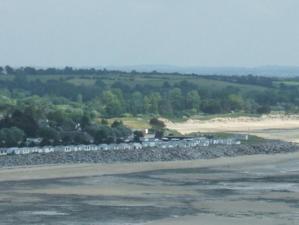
(150,154)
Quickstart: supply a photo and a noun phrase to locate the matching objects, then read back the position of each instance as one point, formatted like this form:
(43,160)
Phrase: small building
(87,148)
(137,146)
(68,149)
(26,150)
(48,149)
(124,147)
(114,147)
(94,148)
(103,147)
(3,152)
(15,151)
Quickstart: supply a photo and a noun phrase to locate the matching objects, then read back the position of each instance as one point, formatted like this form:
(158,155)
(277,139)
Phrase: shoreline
(148,154)
(83,170)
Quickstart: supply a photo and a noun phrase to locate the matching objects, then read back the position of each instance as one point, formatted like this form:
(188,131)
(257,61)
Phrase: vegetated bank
(150,154)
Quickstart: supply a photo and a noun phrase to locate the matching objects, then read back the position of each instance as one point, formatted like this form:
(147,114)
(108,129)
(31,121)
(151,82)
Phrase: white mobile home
(48,149)
(3,152)
(137,146)
(68,149)
(103,147)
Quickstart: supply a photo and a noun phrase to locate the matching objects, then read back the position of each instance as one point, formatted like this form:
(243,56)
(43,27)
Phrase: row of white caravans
(194,142)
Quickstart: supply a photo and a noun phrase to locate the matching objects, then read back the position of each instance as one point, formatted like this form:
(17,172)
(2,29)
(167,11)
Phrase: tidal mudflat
(245,190)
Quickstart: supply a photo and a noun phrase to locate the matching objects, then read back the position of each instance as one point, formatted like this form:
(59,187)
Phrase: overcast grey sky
(133,32)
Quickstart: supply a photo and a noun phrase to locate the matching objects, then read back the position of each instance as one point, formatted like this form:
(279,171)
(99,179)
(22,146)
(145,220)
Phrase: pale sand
(260,126)
(81,170)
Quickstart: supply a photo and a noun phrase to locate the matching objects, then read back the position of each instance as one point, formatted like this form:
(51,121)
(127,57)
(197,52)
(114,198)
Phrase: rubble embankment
(149,155)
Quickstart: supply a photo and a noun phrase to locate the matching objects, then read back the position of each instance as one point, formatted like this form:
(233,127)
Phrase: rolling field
(132,80)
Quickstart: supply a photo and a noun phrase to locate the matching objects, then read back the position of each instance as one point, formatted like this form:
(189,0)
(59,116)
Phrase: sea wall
(150,154)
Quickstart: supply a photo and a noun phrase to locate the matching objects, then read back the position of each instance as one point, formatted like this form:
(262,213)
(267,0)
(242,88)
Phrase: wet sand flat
(78,170)
(242,190)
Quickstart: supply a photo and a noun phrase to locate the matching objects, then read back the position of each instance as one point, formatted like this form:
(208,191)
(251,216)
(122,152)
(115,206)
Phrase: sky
(99,33)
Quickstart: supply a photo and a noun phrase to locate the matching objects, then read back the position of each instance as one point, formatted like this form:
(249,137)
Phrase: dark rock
(148,155)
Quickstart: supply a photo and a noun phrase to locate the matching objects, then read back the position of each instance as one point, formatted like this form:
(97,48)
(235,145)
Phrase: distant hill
(276,71)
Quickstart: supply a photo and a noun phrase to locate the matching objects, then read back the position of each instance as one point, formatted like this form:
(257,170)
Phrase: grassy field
(139,123)
(132,80)
(287,83)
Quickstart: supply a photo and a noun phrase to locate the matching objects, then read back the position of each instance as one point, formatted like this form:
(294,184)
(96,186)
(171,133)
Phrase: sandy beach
(280,127)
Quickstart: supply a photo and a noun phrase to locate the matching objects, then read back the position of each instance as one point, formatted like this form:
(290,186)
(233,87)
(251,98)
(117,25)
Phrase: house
(34,150)
(125,147)
(26,150)
(148,138)
(48,149)
(15,151)
(137,146)
(68,149)
(114,147)
(103,147)
(94,148)
(11,151)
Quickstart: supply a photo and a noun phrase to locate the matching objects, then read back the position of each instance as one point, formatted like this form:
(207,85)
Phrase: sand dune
(274,126)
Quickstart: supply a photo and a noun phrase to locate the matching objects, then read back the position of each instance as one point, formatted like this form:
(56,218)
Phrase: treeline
(249,79)
(38,125)
(68,70)
(178,99)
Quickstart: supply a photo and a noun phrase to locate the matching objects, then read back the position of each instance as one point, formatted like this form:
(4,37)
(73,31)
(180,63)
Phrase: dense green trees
(113,103)
(158,127)
(118,97)
(22,120)
(11,137)
(61,110)
(193,101)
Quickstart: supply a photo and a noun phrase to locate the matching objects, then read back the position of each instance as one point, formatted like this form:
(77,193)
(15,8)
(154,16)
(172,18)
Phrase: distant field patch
(82,81)
(133,122)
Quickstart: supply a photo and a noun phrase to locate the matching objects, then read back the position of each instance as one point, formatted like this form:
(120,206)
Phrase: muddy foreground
(242,190)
